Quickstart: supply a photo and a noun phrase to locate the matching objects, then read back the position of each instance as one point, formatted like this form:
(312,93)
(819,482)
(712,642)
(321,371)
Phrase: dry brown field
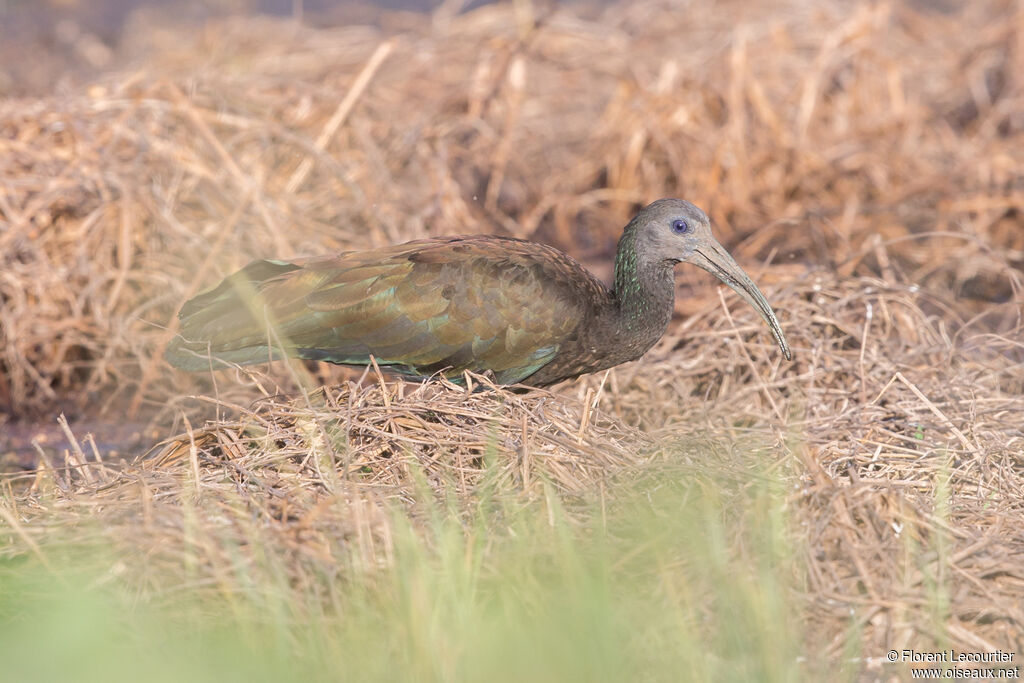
(864,162)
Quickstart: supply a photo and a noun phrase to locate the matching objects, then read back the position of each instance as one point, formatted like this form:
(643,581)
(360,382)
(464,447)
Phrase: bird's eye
(680,227)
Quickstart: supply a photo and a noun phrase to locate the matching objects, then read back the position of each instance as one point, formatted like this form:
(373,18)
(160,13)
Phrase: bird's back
(446,304)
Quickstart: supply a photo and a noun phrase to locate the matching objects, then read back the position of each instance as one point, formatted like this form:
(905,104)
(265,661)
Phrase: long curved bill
(713,258)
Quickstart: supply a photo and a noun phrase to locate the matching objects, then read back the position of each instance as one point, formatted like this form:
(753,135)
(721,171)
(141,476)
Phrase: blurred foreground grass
(674,577)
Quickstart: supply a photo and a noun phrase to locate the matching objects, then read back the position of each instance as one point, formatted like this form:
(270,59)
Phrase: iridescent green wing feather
(448,304)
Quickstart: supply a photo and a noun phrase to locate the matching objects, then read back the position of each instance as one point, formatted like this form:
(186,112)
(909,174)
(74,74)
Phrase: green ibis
(523,311)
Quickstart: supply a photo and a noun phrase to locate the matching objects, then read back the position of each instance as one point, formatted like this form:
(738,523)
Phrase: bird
(519,311)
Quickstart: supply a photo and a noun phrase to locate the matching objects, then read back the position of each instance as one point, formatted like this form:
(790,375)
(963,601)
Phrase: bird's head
(672,231)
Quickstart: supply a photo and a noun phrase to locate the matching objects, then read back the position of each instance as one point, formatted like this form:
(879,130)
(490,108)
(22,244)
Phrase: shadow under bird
(523,311)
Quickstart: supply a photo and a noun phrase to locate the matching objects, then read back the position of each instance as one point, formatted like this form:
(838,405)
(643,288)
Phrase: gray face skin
(677,231)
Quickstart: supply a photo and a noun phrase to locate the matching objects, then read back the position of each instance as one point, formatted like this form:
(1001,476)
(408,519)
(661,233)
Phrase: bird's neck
(624,322)
(643,296)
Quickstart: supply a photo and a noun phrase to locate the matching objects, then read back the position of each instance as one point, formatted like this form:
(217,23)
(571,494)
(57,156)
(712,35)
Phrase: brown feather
(524,311)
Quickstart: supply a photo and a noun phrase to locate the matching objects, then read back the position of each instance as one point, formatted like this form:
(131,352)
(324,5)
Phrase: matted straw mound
(371,435)
(316,478)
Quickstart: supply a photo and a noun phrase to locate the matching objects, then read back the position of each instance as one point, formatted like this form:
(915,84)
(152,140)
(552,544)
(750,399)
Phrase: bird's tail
(226,326)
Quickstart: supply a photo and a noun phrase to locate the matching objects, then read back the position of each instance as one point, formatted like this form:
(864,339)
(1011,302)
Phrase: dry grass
(869,157)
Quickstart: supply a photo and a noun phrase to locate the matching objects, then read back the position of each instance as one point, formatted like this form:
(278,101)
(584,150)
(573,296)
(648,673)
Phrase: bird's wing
(455,304)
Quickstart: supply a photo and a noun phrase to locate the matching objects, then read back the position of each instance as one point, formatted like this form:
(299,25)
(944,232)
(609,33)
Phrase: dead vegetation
(870,157)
